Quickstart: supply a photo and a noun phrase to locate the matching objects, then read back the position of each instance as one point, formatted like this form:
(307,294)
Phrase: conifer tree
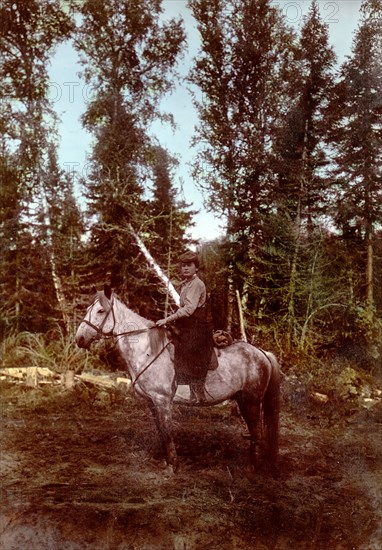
(241,75)
(28,34)
(165,231)
(300,158)
(61,231)
(11,231)
(129,57)
(357,140)
(170,219)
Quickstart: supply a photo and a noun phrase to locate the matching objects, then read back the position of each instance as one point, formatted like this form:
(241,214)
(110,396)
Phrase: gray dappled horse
(245,373)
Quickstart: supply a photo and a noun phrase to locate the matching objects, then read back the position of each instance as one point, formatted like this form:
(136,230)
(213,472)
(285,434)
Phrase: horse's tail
(271,408)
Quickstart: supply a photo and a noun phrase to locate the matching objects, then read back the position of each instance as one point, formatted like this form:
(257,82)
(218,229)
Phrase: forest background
(288,155)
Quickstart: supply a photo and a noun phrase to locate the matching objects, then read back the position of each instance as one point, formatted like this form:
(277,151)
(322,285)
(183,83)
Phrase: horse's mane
(157,335)
(158,339)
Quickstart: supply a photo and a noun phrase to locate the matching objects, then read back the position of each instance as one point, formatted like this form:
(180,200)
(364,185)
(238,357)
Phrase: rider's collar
(185,281)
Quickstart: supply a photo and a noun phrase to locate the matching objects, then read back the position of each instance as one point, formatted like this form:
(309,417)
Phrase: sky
(69,95)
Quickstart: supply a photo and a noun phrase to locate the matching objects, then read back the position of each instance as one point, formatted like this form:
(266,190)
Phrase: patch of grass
(54,350)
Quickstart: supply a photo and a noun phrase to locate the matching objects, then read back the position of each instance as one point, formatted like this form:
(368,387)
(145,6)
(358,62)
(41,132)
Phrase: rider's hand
(161,322)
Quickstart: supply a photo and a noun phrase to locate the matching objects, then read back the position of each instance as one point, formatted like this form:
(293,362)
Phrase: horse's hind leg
(162,413)
(250,410)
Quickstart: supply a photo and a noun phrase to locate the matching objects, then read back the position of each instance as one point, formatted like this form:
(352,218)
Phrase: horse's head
(99,320)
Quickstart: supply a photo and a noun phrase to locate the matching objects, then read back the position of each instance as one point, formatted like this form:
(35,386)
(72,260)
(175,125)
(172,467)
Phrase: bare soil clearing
(82,469)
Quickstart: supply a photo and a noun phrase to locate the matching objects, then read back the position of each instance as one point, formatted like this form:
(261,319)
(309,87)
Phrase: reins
(151,362)
(110,334)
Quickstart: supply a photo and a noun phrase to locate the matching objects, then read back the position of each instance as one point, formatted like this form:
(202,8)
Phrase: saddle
(214,358)
(221,339)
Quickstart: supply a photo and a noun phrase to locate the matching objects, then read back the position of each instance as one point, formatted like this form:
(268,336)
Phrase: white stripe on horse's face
(97,322)
(85,335)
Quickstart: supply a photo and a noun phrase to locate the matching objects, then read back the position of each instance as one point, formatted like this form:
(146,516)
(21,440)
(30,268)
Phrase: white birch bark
(153,264)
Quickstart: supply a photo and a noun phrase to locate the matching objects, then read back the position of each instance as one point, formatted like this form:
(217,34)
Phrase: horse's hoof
(169,471)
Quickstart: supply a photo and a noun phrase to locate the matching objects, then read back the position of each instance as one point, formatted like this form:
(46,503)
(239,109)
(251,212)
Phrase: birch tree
(29,33)
(129,60)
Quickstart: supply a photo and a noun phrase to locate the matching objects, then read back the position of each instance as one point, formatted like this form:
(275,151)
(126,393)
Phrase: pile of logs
(36,376)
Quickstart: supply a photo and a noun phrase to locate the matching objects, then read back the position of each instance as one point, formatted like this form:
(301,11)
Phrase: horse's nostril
(81,342)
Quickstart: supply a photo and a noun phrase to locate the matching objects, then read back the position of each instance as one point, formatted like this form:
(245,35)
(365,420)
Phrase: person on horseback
(193,343)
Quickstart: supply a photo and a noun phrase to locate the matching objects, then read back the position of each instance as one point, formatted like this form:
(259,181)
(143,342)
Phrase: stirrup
(197,395)
(195,400)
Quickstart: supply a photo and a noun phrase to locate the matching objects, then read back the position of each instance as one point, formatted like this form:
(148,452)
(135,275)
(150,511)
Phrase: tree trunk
(60,293)
(369,278)
(57,283)
(292,331)
(241,317)
(231,298)
(291,335)
(153,264)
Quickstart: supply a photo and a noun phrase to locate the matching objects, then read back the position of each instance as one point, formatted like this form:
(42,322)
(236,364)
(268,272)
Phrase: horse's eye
(101,311)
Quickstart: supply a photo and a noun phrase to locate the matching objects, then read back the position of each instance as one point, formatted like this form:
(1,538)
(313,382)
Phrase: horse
(244,373)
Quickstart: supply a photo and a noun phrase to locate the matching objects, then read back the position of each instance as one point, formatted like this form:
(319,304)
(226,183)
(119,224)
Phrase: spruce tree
(357,142)
(300,158)
(165,231)
(129,57)
(62,230)
(29,33)
(241,78)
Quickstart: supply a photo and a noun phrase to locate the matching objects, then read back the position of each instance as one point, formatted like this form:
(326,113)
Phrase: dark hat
(189,257)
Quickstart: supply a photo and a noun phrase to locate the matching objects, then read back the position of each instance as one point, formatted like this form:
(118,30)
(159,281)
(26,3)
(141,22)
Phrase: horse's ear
(107,291)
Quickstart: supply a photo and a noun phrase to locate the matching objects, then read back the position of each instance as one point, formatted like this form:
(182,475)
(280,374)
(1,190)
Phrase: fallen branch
(104,381)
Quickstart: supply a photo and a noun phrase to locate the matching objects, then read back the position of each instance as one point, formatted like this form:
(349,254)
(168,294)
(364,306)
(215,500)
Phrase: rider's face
(188,270)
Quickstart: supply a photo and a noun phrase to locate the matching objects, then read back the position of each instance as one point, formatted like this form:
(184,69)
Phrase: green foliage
(52,350)
(300,144)
(357,143)
(129,57)
(29,33)
(363,328)
(273,118)
(242,72)
(164,231)
(215,273)
(264,151)
(357,135)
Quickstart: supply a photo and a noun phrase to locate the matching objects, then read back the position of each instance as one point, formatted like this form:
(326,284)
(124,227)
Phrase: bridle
(110,334)
(99,329)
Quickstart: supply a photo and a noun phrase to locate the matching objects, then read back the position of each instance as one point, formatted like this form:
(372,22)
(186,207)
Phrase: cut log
(104,381)
(320,397)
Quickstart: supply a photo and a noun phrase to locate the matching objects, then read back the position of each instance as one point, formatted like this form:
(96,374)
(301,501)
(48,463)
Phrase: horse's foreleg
(162,413)
(250,411)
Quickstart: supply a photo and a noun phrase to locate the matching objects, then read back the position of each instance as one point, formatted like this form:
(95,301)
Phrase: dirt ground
(81,469)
